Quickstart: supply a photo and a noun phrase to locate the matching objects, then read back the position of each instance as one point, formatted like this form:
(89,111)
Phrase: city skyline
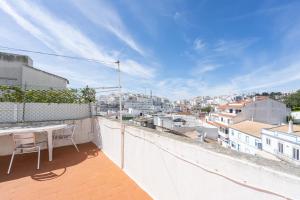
(176,49)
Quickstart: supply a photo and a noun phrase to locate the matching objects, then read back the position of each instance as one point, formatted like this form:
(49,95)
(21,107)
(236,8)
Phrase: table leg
(50,144)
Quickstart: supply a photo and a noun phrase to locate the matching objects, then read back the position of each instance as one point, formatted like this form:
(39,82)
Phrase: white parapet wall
(170,167)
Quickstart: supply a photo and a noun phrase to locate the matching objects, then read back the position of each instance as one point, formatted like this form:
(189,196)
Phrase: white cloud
(137,69)
(59,35)
(204,68)
(107,17)
(229,46)
(268,77)
(25,24)
(199,44)
(177,15)
(264,78)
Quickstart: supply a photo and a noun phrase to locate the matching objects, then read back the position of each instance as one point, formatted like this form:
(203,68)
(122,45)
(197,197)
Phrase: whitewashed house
(283,141)
(222,118)
(246,136)
(296,116)
(260,109)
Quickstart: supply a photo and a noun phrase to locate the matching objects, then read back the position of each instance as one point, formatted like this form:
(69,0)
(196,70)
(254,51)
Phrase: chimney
(291,130)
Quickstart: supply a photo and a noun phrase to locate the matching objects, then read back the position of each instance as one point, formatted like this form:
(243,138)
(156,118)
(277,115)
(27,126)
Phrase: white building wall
(246,146)
(296,116)
(168,168)
(19,70)
(289,142)
(41,80)
(10,73)
(266,111)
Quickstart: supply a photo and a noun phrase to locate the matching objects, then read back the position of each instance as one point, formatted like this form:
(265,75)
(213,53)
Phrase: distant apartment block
(141,106)
(18,70)
(283,141)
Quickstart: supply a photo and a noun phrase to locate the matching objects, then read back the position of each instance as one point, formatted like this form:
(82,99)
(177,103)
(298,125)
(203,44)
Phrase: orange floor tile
(86,175)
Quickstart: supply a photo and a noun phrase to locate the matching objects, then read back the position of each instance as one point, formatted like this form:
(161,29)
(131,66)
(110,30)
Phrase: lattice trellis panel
(11,112)
(44,111)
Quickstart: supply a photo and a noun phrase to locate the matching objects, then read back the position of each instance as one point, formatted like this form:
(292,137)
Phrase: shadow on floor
(63,157)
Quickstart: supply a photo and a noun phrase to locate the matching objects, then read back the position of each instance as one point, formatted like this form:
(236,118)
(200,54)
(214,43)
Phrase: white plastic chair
(68,133)
(24,143)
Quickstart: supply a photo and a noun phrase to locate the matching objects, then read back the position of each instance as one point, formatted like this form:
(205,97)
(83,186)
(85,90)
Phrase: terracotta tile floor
(86,175)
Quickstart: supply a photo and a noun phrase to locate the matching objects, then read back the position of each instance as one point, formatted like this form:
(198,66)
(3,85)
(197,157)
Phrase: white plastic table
(45,128)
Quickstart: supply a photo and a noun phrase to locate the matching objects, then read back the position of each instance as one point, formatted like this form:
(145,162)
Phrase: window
(232,132)
(226,131)
(296,154)
(239,135)
(268,141)
(228,121)
(247,139)
(221,119)
(233,145)
(230,110)
(280,147)
(258,144)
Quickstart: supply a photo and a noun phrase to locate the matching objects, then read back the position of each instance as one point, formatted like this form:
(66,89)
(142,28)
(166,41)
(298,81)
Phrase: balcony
(88,174)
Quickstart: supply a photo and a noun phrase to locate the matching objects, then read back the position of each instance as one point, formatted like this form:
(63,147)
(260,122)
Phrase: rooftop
(10,57)
(242,103)
(251,127)
(88,174)
(285,129)
(216,124)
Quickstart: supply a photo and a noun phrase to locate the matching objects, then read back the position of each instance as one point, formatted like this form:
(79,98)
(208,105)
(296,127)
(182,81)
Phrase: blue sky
(178,49)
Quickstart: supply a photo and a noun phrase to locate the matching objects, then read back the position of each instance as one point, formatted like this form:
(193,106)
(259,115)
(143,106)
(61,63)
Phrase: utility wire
(58,55)
(106,91)
(69,57)
(102,88)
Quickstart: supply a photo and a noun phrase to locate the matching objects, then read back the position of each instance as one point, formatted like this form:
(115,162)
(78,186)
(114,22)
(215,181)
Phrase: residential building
(162,122)
(259,109)
(296,117)
(222,118)
(246,136)
(143,121)
(264,109)
(208,132)
(283,141)
(18,70)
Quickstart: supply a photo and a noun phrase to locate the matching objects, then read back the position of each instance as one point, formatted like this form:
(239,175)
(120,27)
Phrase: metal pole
(120,91)
(120,116)
(24,103)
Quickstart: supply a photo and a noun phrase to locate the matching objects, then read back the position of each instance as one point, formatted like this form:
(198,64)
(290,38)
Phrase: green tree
(16,94)
(88,95)
(207,109)
(293,100)
(11,94)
